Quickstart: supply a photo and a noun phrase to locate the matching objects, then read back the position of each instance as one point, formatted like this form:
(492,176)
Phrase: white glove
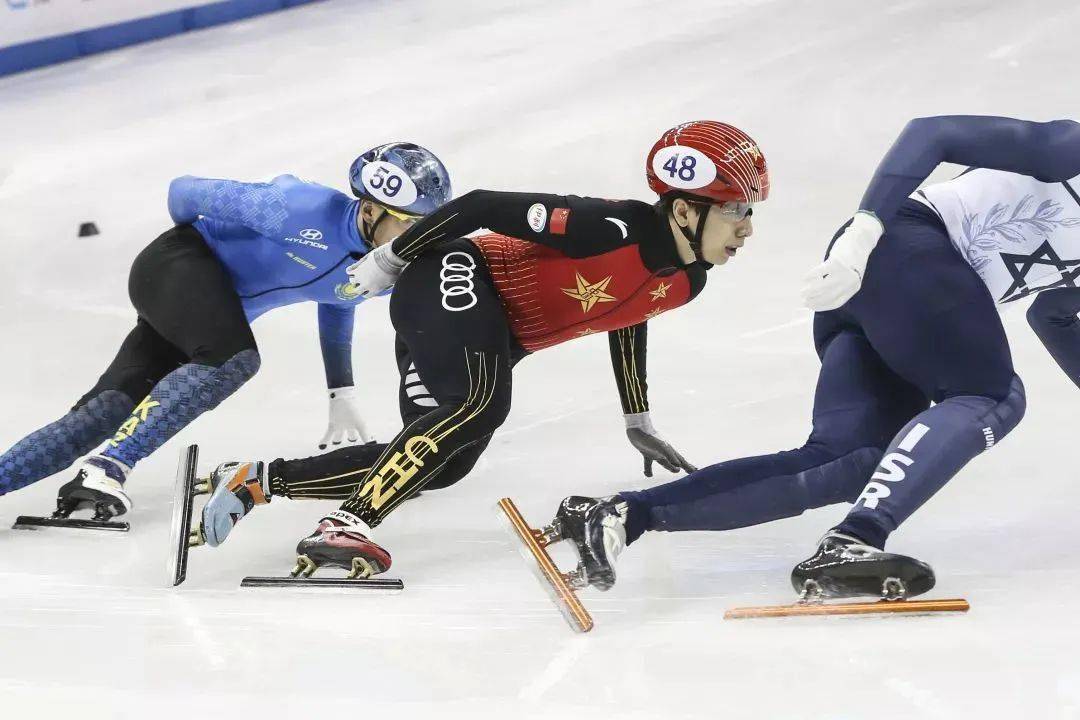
(376,271)
(835,281)
(346,425)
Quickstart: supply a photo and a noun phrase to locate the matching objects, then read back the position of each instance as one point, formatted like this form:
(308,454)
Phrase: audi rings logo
(311,234)
(456,281)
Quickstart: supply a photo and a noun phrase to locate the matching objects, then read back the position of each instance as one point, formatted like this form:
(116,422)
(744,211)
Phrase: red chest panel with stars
(551,298)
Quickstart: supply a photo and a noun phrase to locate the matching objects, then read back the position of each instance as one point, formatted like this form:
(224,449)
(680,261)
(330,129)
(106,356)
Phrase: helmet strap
(369,228)
(695,238)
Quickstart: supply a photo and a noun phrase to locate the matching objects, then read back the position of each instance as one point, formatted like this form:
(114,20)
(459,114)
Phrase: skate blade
(28,522)
(876,607)
(544,568)
(390,584)
(183,502)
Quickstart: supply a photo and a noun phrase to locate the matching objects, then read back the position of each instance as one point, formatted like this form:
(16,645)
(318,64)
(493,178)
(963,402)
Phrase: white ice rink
(562,96)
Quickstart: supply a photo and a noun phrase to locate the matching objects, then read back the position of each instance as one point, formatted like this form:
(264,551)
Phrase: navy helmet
(402,177)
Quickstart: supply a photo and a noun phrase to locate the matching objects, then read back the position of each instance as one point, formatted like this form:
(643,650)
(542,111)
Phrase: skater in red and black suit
(467,310)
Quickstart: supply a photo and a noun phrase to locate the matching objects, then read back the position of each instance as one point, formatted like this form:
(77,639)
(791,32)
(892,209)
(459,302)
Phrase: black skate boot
(98,486)
(597,526)
(844,567)
(339,541)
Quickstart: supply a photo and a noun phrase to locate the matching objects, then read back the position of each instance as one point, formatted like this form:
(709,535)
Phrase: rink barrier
(61,48)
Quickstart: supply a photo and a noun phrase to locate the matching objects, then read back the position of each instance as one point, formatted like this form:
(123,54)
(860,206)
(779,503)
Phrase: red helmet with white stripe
(713,161)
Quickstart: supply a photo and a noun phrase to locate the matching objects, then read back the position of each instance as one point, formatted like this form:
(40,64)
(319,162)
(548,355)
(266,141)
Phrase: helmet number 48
(684,169)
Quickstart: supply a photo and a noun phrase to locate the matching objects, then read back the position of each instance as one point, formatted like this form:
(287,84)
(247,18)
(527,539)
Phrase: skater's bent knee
(220,354)
(1010,411)
(993,417)
(1054,307)
(244,364)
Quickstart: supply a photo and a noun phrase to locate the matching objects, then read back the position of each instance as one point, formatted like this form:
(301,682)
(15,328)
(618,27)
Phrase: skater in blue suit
(916,374)
(237,251)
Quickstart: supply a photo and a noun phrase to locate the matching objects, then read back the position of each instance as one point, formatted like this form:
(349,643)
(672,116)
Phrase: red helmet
(711,160)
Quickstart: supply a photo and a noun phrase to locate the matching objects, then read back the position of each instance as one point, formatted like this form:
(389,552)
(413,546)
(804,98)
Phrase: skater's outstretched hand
(653,448)
(375,272)
(346,425)
(835,281)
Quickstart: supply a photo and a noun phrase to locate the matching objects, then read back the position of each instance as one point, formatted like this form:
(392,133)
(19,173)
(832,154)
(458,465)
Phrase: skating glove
(346,424)
(835,281)
(653,448)
(376,271)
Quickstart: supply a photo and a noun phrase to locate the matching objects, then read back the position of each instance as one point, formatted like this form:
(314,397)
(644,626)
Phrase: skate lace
(345,530)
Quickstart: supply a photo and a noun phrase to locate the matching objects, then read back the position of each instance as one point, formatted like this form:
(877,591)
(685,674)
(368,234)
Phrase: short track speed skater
(562,587)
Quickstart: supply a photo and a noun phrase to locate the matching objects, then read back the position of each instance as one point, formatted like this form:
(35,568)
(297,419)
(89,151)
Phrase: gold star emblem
(660,291)
(583,333)
(589,293)
(654,313)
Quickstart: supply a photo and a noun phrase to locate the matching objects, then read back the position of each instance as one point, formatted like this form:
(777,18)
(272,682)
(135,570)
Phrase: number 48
(685,169)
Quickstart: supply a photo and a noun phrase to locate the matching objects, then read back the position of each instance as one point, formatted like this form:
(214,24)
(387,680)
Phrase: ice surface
(563,96)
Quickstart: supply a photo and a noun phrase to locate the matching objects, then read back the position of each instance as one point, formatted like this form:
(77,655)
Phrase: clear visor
(736,210)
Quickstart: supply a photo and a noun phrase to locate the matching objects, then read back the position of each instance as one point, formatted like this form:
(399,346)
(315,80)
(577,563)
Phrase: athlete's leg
(460,344)
(858,406)
(930,317)
(181,289)
(144,358)
(336,475)
(415,400)
(1053,317)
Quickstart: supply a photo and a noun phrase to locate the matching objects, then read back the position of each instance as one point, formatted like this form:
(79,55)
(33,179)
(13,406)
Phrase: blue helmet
(403,177)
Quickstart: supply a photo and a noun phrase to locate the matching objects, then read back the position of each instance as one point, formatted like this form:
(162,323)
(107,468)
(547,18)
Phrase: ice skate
(844,567)
(597,527)
(98,486)
(571,520)
(237,487)
(338,542)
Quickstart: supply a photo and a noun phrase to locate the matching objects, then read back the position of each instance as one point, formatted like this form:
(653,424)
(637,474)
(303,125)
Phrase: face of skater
(727,228)
(388,228)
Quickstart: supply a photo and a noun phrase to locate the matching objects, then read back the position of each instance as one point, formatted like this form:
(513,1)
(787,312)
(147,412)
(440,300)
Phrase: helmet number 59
(388,183)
